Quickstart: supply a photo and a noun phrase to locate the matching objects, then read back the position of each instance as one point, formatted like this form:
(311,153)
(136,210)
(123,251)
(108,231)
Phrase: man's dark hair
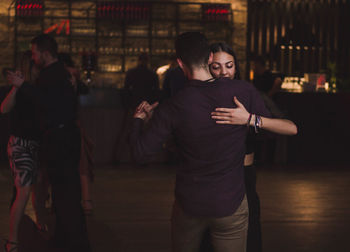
(193,49)
(223,47)
(45,42)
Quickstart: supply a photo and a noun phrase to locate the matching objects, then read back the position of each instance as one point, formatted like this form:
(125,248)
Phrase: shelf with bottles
(108,80)
(110,63)
(25,28)
(129,11)
(110,46)
(137,30)
(83,27)
(110,68)
(190,12)
(83,9)
(136,47)
(109,29)
(163,11)
(63,44)
(190,27)
(55,13)
(163,30)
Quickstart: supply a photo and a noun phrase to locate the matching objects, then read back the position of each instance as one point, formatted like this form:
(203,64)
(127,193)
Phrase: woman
(22,151)
(224,64)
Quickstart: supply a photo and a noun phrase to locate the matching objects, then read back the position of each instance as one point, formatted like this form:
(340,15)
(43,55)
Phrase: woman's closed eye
(215,66)
(229,65)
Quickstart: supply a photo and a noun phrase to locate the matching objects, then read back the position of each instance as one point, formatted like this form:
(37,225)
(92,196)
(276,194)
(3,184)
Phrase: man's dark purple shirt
(210,181)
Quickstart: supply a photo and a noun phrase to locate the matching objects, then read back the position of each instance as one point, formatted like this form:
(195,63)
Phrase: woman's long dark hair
(223,47)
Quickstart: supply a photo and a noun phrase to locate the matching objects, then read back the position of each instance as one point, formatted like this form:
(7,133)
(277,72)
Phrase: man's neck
(201,74)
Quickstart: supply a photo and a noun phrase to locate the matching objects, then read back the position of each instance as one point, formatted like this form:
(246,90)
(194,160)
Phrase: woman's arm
(240,116)
(9,102)
(279,126)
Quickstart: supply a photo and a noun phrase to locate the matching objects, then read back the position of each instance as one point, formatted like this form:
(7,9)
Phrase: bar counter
(323,126)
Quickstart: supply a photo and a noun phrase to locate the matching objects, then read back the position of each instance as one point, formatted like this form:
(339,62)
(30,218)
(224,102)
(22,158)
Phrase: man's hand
(15,79)
(149,108)
(234,116)
(145,111)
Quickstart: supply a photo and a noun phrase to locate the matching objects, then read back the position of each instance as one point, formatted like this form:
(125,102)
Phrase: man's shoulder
(236,85)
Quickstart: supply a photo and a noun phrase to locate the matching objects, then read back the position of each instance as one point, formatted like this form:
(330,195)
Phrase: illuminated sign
(59,27)
(215,12)
(29,8)
(123,10)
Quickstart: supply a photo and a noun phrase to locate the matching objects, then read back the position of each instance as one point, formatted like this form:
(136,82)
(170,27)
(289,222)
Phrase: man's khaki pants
(228,234)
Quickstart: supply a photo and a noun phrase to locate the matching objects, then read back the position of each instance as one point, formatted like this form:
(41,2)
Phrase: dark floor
(303,208)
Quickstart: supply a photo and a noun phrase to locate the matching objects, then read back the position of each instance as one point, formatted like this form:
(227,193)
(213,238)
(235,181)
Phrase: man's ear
(184,68)
(210,60)
(181,64)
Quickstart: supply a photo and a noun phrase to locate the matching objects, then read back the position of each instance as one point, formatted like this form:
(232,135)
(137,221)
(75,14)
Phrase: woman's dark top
(250,141)
(24,120)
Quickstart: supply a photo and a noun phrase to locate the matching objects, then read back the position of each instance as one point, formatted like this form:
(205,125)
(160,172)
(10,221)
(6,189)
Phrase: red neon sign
(59,27)
(216,12)
(29,8)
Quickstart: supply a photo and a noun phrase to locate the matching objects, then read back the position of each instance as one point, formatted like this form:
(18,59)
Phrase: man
(141,83)
(209,189)
(56,100)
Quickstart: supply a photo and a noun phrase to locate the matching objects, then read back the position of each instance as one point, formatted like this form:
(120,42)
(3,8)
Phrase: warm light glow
(307,196)
(161,70)
(251,74)
(326,86)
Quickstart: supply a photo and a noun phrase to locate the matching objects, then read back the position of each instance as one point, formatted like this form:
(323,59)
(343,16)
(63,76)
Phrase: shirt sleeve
(145,144)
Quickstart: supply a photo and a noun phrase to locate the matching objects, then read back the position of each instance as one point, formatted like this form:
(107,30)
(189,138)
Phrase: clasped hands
(234,116)
(145,110)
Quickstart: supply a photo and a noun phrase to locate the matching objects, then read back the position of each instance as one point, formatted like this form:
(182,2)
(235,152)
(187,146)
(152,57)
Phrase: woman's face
(223,65)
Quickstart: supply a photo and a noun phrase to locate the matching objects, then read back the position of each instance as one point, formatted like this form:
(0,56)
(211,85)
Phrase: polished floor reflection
(303,208)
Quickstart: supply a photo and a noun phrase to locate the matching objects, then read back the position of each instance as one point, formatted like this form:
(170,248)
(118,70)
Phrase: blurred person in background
(55,96)
(271,149)
(141,83)
(264,80)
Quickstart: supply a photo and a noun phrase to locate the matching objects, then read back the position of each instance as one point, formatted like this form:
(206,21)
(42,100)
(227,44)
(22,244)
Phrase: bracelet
(257,123)
(249,119)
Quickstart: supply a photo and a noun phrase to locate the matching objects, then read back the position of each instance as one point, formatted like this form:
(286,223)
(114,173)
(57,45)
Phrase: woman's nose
(223,71)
